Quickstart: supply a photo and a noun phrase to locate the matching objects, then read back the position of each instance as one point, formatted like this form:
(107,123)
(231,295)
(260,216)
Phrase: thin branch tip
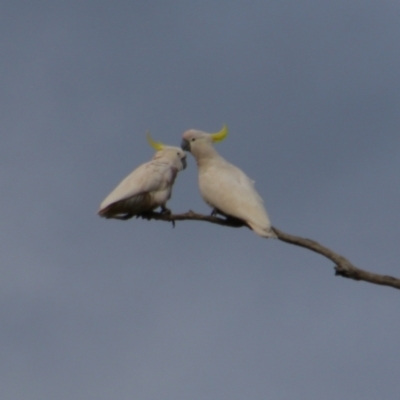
(342,267)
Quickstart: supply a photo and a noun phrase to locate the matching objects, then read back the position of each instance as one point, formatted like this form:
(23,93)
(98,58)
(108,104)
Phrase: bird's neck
(206,155)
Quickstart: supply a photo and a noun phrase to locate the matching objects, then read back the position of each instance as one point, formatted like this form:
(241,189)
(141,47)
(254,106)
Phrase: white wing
(229,190)
(150,177)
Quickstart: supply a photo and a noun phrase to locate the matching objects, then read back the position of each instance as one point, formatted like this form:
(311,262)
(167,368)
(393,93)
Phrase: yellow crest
(221,135)
(155,145)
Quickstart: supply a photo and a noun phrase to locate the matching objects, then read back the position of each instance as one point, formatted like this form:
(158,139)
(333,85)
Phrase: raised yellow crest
(221,135)
(155,145)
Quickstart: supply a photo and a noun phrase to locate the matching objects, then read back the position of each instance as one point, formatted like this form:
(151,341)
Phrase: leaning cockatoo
(224,187)
(149,186)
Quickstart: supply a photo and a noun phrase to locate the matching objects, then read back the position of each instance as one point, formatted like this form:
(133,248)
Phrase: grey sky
(95,309)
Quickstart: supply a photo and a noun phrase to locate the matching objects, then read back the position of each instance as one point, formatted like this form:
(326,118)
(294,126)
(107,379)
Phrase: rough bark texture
(343,267)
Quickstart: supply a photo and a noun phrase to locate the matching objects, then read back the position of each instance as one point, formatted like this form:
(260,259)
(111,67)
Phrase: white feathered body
(230,191)
(149,186)
(225,187)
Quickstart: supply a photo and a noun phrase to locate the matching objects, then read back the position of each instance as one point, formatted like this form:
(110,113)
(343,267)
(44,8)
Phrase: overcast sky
(95,309)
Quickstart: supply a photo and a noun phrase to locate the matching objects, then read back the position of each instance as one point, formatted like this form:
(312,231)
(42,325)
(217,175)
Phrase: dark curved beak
(185,145)
(184,164)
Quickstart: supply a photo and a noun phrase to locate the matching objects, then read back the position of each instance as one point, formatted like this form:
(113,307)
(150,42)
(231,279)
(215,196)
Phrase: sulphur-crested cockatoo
(224,187)
(149,186)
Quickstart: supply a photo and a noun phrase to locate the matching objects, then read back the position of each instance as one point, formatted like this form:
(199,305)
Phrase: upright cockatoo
(149,186)
(224,187)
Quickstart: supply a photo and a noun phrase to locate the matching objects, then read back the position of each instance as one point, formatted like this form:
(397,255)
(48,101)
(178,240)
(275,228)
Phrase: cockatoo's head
(200,143)
(175,155)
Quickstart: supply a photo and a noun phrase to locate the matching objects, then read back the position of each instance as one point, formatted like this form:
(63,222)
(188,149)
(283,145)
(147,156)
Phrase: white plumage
(226,188)
(149,186)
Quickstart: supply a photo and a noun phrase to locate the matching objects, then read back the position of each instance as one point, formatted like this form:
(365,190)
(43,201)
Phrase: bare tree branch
(343,267)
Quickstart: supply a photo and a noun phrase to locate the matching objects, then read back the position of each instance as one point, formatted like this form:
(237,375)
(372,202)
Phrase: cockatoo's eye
(193,139)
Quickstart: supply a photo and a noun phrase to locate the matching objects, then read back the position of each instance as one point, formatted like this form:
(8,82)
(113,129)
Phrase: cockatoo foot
(165,211)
